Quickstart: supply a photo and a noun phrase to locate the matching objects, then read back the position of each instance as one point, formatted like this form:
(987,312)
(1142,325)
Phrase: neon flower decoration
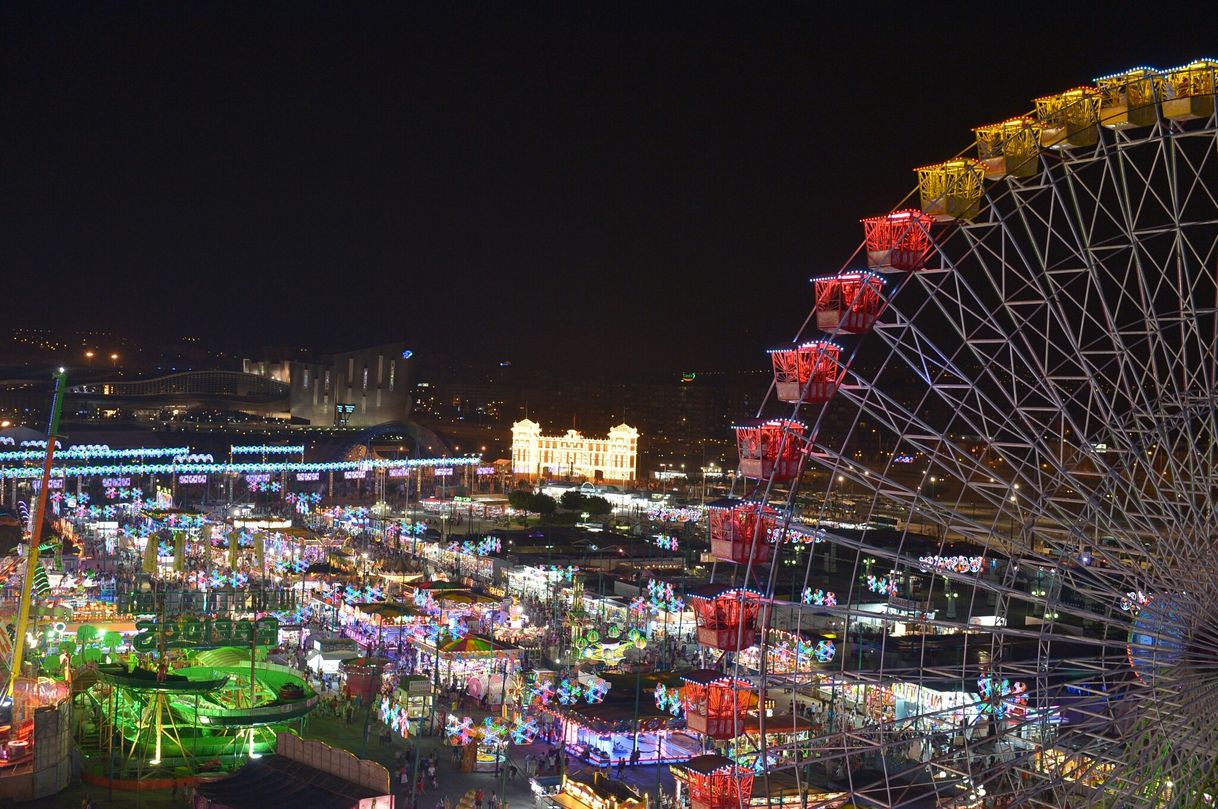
(825,651)
(543,692)
(459,731)
(569,691)
(424,600)
(882,585)
(565,573)
(393,716)
(997,696)
(668,543)
(455,628)
(819,598)
(596,690)
(800,538)
(492,732)
(524,730)
(668,699)
(1134,602)
(957,564)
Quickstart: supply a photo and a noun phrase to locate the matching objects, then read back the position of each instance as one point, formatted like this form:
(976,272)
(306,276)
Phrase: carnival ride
(195,716)
(1023,365)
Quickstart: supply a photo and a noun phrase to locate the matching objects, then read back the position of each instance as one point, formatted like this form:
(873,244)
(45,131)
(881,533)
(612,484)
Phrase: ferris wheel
(979,566)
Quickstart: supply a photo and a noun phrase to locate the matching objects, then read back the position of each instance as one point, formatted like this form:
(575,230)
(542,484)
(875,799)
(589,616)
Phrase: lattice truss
(1052,373)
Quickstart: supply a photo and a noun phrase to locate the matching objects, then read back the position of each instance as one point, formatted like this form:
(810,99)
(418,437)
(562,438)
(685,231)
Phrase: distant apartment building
(574,456)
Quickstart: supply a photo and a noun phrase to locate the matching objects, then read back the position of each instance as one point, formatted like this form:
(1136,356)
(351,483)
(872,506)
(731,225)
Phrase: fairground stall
(605,721)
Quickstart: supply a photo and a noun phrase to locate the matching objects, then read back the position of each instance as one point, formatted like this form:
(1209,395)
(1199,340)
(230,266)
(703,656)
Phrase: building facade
(359,388)
(574,456)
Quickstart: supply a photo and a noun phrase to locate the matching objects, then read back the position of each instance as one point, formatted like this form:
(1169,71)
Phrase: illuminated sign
(355,474)
(307,476)
(399,472)
(486,470)
(53,483)
(116,483)
(189,632)
(902,459)
(192,478)
(257,478)
(443,471)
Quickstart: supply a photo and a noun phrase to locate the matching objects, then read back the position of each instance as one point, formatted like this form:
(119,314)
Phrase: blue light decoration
(565,573)
(569,691)
(459,731)
(1159,636)
(668,543)
(997,696)
(543,693)
(524,730)
(825,651)
(882,585)
(492,732)
(668,699)
(269,467)
(595,691)
(90,451)
(819,598)
(264,449)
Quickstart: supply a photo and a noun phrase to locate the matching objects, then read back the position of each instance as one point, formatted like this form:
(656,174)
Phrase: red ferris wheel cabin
(727,617)
(715,782)
(898,241)
(770,447)
(806,372)
(715,704)
(741,531)
(849,301)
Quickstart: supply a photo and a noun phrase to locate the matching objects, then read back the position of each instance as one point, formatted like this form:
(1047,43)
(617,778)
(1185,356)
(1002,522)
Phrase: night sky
(564,186)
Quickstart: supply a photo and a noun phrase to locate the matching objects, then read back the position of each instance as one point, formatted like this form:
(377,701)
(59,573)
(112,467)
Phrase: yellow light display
(951,190)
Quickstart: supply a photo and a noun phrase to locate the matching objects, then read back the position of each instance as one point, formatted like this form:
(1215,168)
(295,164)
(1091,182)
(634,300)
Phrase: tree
(597,506)
(572,500)
(521,500)
(543,504)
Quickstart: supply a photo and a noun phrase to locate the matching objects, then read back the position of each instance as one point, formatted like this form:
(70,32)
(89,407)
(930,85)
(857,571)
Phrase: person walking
(478,798)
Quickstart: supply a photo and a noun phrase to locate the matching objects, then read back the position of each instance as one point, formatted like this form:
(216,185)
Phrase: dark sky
(598,187)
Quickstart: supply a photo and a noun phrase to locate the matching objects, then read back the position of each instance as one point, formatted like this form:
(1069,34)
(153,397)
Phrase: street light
(114,360)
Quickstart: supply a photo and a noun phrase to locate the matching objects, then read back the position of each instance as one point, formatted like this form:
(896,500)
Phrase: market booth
(605,732)
(597,791)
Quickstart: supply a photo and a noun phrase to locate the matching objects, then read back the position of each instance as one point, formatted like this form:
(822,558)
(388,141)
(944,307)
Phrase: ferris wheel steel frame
(1071,330)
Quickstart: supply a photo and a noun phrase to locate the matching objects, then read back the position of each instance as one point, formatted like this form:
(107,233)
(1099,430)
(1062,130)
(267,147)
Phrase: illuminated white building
(614,457)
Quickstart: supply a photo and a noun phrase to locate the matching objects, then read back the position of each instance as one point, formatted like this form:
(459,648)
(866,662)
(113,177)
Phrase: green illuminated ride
(200,717)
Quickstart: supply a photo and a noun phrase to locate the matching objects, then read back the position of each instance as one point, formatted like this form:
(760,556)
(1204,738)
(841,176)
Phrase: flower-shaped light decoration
(493,733)
(997,696)
(1133,602)
(819,598)
(459,730)
(543,693)
(596,690)
(882,585)
(668,699)
(524,730)
(569,691)
(825,651)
